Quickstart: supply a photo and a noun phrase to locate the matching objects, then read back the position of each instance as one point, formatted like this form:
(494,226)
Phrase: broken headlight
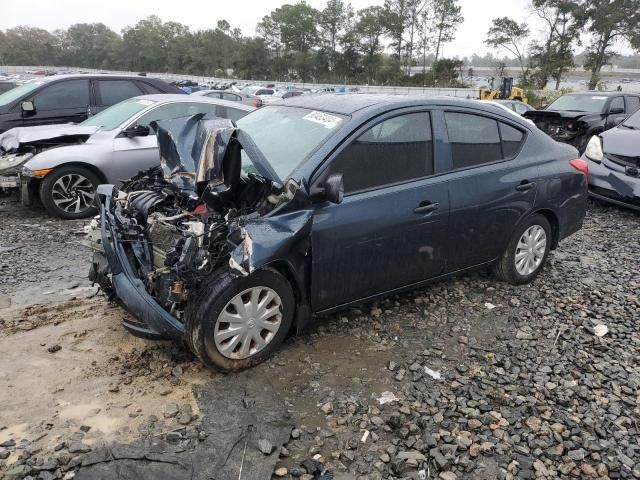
(11,163)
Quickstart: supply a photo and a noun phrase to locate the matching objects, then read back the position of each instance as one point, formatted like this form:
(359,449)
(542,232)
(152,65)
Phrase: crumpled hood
(196,152)
(14,138)
(556,114)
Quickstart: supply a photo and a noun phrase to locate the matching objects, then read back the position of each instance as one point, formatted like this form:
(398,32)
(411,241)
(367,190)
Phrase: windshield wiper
(630,127)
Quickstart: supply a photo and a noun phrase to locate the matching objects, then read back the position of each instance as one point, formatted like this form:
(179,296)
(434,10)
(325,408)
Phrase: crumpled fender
(267,239)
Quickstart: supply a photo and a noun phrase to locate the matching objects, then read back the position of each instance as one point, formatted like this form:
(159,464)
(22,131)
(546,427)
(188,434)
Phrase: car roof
(70,76)
(177,97)
(350,103)
(596,92)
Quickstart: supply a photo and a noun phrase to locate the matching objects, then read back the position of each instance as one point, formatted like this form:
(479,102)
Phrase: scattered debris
(432,373)
(387,397)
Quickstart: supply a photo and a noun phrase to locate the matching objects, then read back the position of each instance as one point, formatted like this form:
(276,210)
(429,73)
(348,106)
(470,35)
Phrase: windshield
(286,136)
(579,103)
(633,121)
(116,115)
(15,93)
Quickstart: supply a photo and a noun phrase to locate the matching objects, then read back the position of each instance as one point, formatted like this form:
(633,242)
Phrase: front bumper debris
(9,181)
(613,183)
(155,322)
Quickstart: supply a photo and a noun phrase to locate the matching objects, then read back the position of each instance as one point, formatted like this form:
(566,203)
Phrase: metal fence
(393,90)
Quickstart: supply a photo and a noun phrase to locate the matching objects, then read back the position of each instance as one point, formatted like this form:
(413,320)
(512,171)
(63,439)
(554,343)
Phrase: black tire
(212,298)
(47,192)
(505,268)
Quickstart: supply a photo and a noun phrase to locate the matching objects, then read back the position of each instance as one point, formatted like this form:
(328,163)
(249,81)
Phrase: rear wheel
(526,253)
(69,192)
(238,322)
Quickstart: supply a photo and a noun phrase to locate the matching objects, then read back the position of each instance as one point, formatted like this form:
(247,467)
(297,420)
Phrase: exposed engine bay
(177,239)
(194,214)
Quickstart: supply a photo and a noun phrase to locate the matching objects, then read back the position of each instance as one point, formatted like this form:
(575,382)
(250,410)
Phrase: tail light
(580,165)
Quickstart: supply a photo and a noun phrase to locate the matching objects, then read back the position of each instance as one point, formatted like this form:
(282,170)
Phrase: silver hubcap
(73,193)
(530,250)
(248,323)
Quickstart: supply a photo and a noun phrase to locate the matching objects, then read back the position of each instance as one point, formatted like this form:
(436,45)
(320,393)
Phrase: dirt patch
(100,377)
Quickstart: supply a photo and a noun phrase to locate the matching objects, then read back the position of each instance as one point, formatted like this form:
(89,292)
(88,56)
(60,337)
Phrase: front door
(490,188)
(390,230)
(65,101)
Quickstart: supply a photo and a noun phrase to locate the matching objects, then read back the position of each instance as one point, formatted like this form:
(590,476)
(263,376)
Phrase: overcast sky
(245,14)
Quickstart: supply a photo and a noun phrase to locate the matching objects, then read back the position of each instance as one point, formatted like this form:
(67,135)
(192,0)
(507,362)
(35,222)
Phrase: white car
(64,164)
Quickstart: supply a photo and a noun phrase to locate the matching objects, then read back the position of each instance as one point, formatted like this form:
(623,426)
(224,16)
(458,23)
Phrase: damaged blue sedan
(246,232)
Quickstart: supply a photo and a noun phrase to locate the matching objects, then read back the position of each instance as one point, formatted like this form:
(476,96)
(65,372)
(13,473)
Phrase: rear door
(65,101)
(490,185)
(390,231)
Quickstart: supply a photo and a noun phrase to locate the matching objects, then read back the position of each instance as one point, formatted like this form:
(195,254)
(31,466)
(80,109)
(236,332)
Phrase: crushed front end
(164,232)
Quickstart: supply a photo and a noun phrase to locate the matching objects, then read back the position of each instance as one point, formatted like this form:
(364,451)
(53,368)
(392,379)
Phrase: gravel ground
(469,378)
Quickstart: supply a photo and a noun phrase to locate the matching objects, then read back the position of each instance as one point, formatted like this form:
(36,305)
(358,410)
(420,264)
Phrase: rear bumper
(153,321)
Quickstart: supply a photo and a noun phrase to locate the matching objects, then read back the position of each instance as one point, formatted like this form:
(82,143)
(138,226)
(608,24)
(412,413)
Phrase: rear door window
(511,140)
(474,139)
(150,88)
(176,110)
(396,150)
(111,92)
(63,95)
(234,114)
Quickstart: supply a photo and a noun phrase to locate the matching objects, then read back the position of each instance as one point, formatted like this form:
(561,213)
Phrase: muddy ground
(484,380)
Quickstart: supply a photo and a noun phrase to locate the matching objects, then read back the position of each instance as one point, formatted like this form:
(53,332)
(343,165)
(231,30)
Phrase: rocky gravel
(469,378)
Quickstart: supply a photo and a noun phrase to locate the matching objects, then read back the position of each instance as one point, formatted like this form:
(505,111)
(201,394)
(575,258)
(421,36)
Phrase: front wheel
(238,322)
(69,192)
(526,253)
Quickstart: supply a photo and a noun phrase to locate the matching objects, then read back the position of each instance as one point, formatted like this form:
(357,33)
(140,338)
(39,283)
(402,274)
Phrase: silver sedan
(110,147)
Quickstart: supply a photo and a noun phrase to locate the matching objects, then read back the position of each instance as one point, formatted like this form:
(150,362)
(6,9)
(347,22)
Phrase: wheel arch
(552,218)
(81,164)
(297,282)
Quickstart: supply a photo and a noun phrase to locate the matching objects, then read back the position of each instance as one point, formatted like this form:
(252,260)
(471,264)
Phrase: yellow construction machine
(502,89)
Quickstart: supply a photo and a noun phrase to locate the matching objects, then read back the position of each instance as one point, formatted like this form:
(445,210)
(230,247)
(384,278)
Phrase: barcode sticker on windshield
(324,119)
(144,102)
(598,98)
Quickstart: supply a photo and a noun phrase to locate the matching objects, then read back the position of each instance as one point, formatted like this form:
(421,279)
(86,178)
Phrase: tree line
(596,25)
(337,44)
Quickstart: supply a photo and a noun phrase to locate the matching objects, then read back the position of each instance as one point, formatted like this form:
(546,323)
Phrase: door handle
(525,186)
(426,207)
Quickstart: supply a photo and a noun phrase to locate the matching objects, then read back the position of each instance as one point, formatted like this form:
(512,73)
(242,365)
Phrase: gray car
(72,160)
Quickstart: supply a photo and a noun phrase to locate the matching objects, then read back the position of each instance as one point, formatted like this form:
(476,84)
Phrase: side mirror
(616,111)
(28,107)
(136,131)
(334,188)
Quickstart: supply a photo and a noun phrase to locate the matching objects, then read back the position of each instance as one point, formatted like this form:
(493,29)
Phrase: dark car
(614,164)
(321,202)
(575,117)
(71,98)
